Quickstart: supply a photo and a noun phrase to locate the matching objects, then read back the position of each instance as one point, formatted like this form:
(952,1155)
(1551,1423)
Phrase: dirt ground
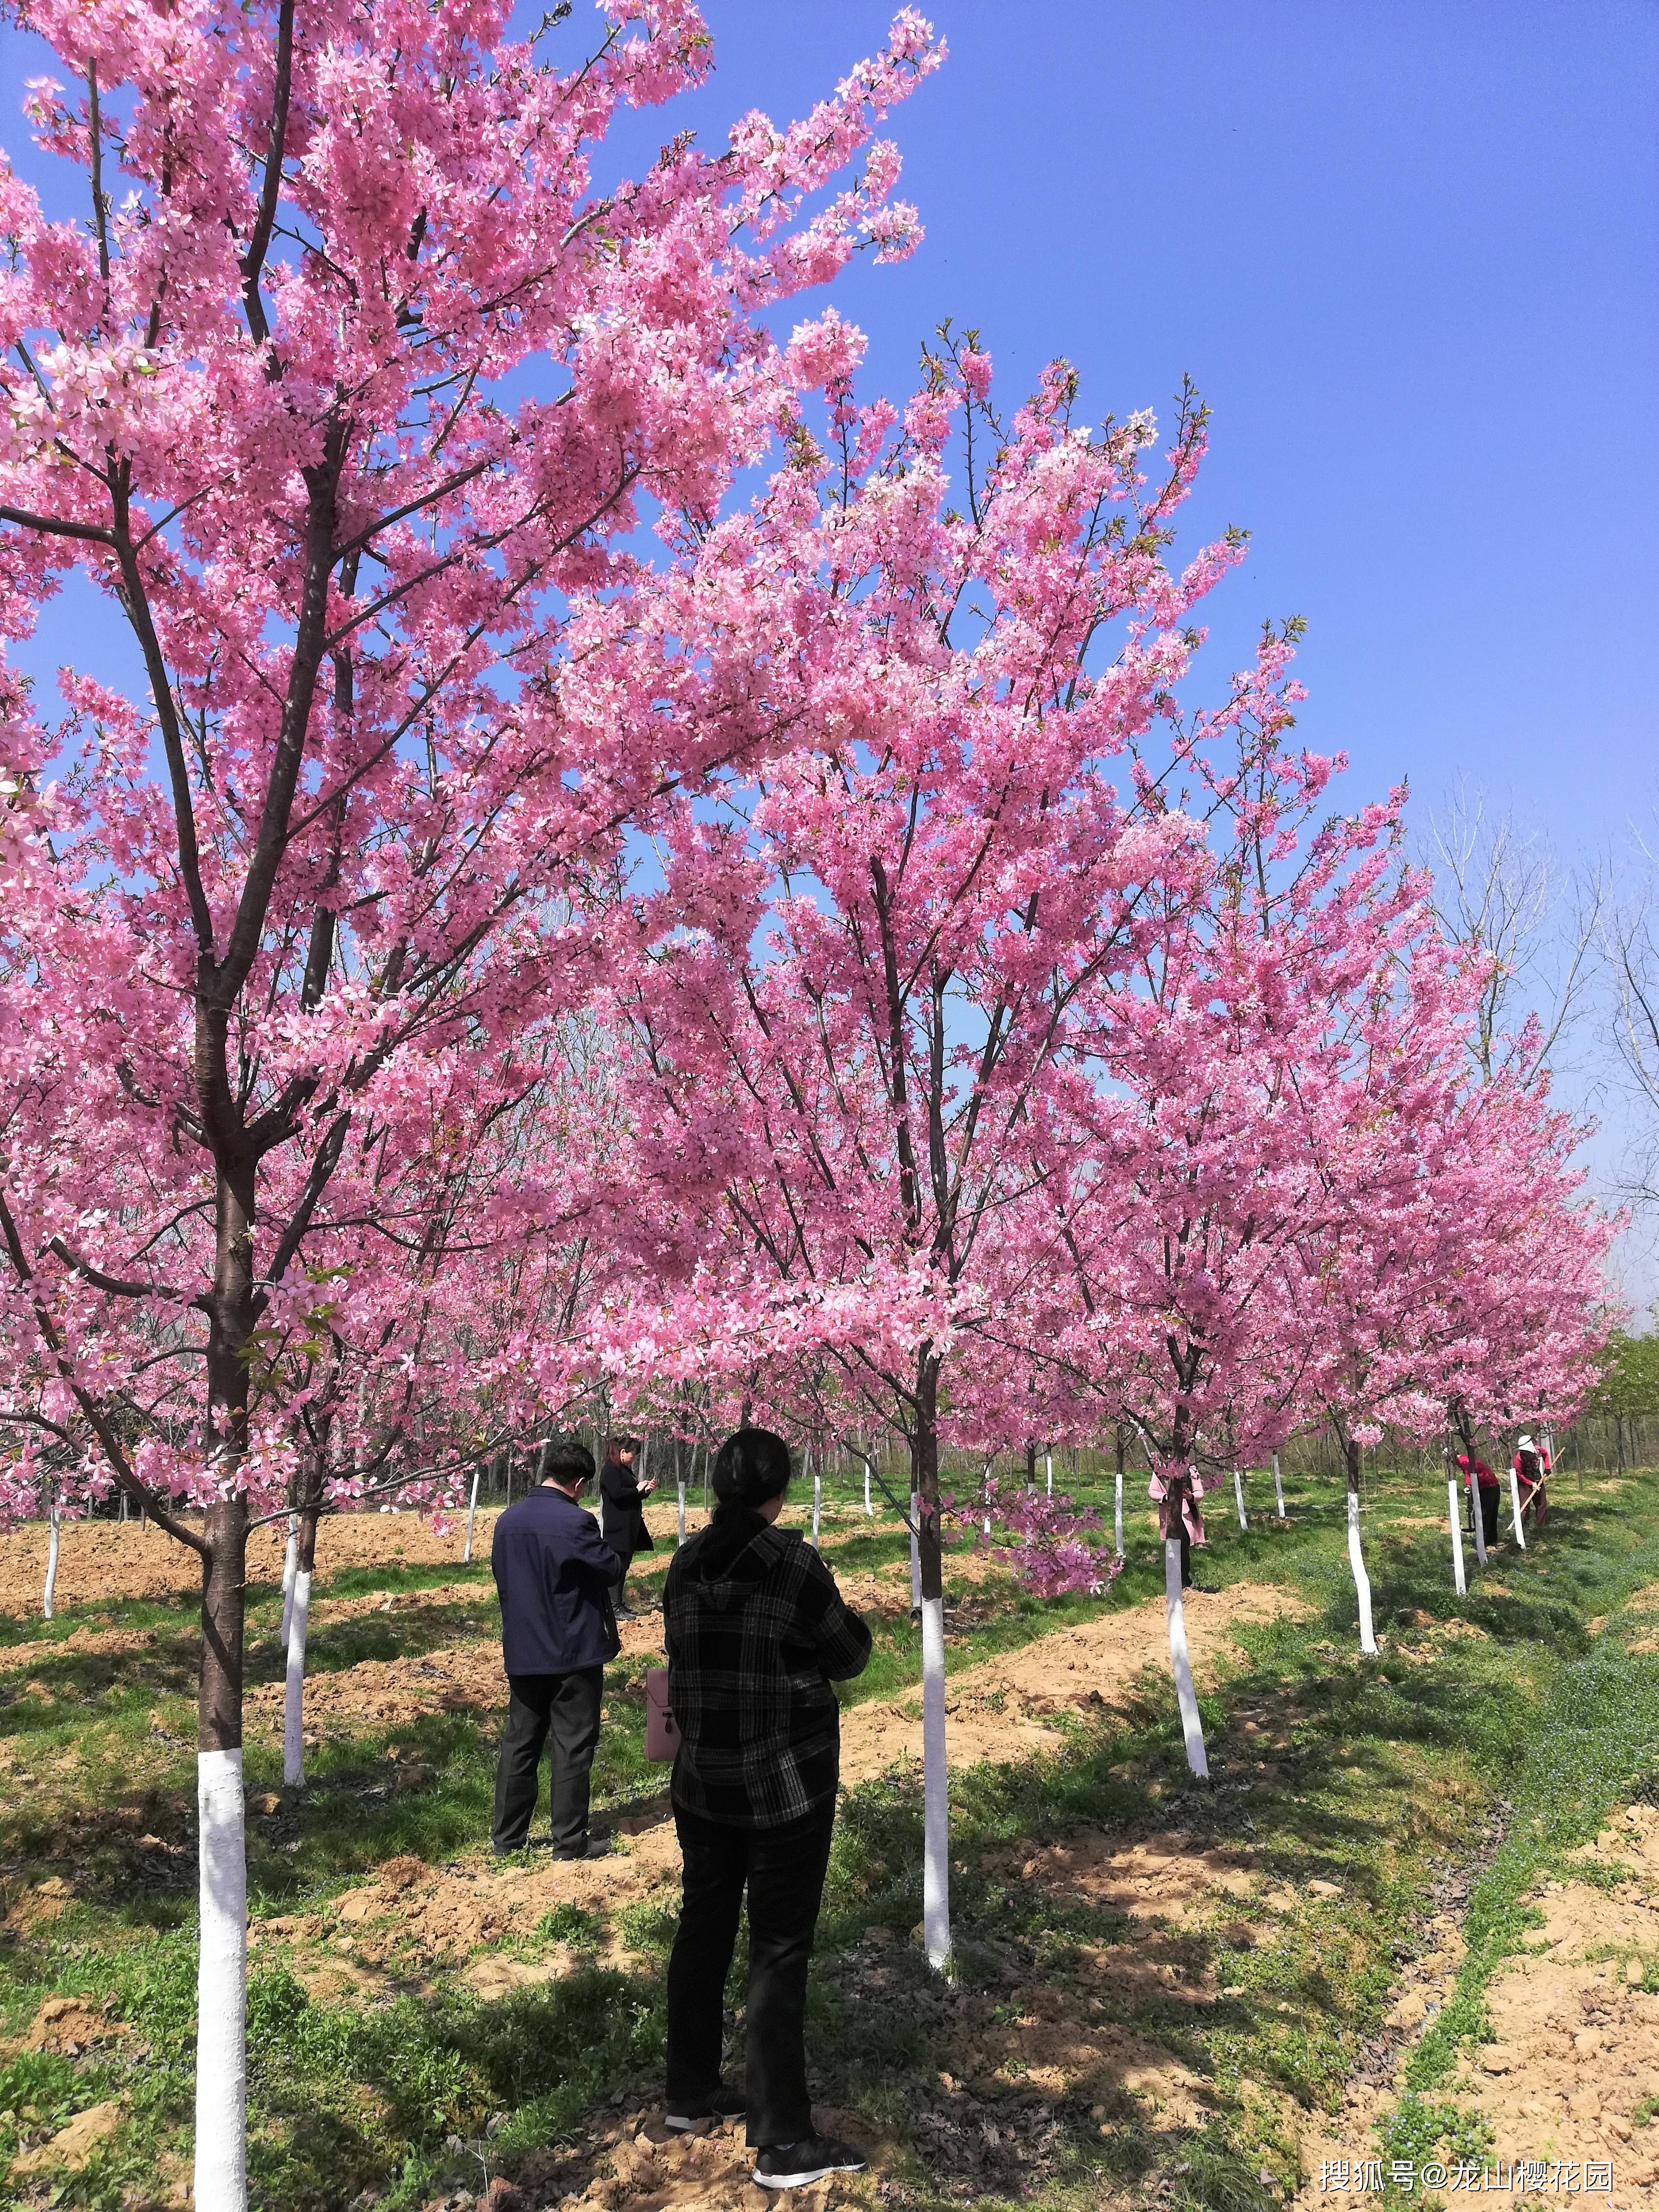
(102,1561)
(446,1914)
(1573,2067)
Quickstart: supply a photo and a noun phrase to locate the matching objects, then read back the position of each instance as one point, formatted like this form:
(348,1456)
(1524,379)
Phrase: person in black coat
(554,1574)
(622,1510)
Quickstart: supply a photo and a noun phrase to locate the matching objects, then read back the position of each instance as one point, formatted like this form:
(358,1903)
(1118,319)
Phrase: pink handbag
(662,1733)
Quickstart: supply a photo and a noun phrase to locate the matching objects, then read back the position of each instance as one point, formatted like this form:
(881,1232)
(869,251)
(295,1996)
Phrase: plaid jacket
(756,1633)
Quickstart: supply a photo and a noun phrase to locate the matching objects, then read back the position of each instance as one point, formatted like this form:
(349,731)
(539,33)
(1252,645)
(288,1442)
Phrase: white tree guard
(1117,1512)
(1362,1580)
(1278,1488)
(49,1593)
(1049,1468)
(1454,1509)
(679,1528)
(290,1561)
(471,1513)
(1180,1664)
(869,1502)
(935,1790)
(1514,1504)
(1477,1515)
(221,2183)
(293,1689)
(915,1555)
(818,1508)
(1238,1494)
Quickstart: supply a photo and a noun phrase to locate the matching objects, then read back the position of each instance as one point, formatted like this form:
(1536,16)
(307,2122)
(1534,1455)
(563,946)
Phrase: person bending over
(554,1575)
(757,1633)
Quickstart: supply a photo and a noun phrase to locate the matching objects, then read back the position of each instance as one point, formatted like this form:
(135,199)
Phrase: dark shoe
(797,2165)
(524,1844)
(681,2114)
(596,1847)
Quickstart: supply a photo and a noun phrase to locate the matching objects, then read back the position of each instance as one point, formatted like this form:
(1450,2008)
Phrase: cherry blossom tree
(347,403)
(854,993)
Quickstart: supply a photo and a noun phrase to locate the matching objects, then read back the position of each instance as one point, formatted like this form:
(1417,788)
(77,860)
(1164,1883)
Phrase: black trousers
(617,1586)
(566,1708)
(784,1870)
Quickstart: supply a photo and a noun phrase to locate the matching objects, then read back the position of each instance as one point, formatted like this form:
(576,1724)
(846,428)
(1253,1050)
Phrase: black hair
(750,1468)
(565,1459)
(619,1442)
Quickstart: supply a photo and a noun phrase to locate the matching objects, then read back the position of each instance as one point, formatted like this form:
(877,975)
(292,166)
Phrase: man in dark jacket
(621,1509)
(553,1573)
(758,1634)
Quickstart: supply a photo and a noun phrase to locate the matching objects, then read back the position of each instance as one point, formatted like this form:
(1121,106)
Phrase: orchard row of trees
(541,922)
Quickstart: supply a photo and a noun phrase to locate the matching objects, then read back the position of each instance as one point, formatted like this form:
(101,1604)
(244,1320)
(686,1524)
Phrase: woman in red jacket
(1486,1485)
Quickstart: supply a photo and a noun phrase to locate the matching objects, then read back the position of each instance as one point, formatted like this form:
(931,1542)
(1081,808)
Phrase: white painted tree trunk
(1181,1665)
(1049,1469)
(915,1555)
(290,1561)
(1515,1503)
(1478,1518)
(935,1790)
(1454,1509)
(293,1690)
(818,1508)
(1362,1580)
(1238,1494)
(1117,1512)
(679,1530)
(471,1513)
(1278,1488)
(221,2182)
(869,1502)
(49,1593)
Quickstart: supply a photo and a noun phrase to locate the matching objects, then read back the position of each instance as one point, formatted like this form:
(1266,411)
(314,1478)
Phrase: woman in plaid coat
(757,1635)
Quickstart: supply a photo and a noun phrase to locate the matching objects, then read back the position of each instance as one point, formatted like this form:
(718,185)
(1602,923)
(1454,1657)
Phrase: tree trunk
(290,1554)
(1030,1465)
(817,1495)
(48,1596)
(472,1515)
(1117,1491)
(1181,1665)
(1459,1578)
(1238,1494)
(1362,1580)
(1278,1488)
(220,2177)
(293,1687)
(936,1813)
(221,2174)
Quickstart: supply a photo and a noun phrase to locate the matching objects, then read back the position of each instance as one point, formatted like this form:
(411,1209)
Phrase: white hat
(1526,1444)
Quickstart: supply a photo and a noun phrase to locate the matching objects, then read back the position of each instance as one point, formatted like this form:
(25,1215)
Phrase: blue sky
(1407,249)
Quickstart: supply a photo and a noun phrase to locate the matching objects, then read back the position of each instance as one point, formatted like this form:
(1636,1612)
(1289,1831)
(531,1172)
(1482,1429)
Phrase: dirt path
(1574,2063)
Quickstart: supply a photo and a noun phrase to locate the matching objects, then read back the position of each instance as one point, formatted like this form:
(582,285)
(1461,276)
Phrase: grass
(1370,1776)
